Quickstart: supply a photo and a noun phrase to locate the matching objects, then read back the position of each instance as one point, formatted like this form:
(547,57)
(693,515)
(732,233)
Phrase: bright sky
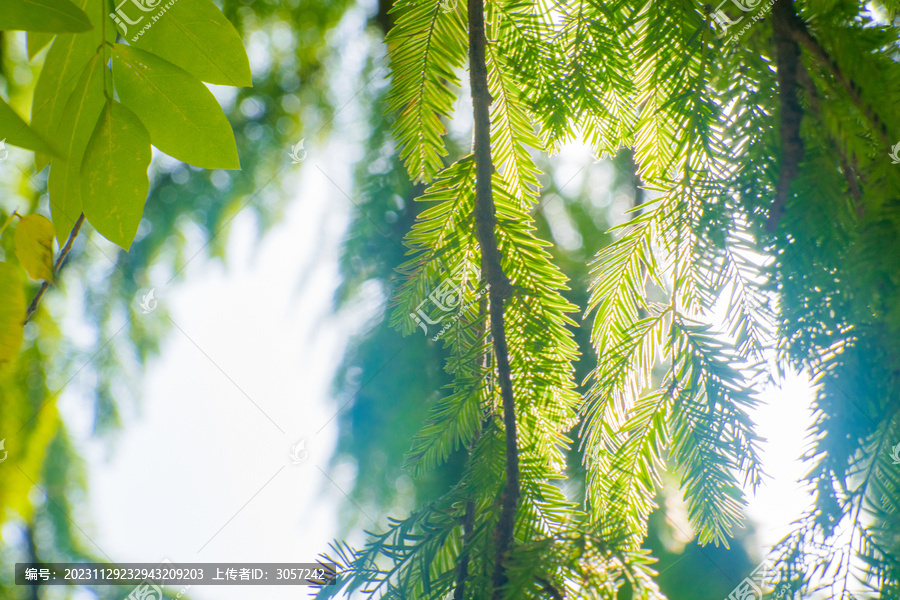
(202,474)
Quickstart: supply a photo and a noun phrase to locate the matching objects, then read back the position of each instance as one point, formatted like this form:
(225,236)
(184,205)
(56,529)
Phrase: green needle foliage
(766,238)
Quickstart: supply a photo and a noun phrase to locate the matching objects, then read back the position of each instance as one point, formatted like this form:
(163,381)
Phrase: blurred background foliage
(296,65)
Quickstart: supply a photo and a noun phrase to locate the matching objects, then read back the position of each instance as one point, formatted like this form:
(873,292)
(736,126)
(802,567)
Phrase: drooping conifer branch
(468,524)
(468,536)
(500,288)
(787,59)
(802,35)
(850,173)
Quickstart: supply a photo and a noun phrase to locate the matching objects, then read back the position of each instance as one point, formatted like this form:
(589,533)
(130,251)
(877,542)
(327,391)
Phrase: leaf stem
(500,288)
(8,221)
(103,44)
(59,261)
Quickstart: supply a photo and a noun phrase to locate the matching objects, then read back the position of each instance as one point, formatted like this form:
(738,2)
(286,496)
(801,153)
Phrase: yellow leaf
(12,312)
(34,246)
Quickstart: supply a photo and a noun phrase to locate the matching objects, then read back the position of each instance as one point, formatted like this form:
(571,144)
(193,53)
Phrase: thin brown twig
(468,535)
(63,253)
(500,290)
(469,517)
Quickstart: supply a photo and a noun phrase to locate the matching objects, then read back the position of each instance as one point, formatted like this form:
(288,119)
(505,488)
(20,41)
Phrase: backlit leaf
(43,15)
(63,67)
(12,312)
(197,37)
(181,114)
(34,246)
(114,174)
(37,41)
(15,131)
(82,112)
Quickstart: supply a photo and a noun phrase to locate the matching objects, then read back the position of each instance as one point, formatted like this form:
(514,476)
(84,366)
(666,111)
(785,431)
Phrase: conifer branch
(849,172)
(500,288)
(549,589)
(469,517)
(801,34)
(787,57)
(468,536)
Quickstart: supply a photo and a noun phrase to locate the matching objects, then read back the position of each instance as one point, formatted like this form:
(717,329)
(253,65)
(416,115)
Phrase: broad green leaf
(37,41)
(15,130)
(63,67)
(43,15)
(181,114)
(82,111)
(34,246)
(12,311)
(114,174)
(197,37)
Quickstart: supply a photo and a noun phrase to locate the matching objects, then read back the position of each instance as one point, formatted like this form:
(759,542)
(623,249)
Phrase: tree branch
(468,535)
(63,253)
(801,34)
(548,587)
(849,172)
(500,290)
(469,518)
(787,55)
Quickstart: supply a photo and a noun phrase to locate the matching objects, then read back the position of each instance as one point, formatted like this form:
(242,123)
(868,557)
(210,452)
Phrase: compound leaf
(82,111)
(63,67)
